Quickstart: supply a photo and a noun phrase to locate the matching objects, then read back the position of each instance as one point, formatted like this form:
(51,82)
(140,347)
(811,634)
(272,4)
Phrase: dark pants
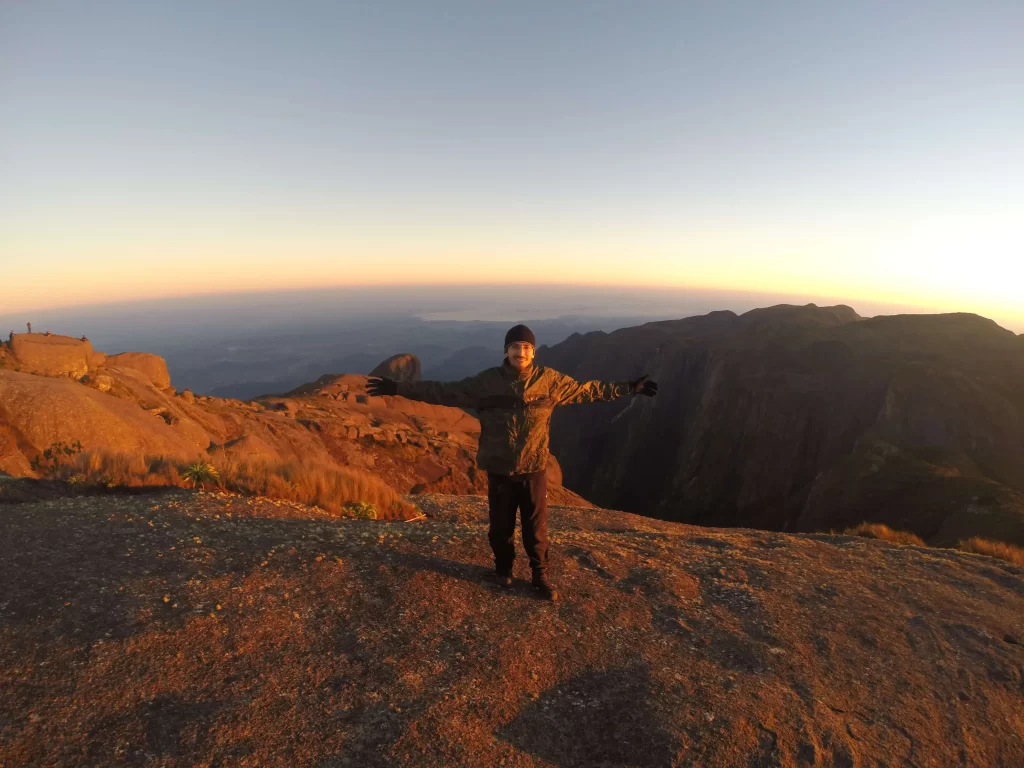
(529,494)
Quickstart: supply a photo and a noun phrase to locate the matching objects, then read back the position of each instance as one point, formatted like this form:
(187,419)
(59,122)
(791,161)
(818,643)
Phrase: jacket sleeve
(568,391)
(457,394)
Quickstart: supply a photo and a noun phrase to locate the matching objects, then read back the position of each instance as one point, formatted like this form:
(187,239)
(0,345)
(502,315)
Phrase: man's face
(520,355)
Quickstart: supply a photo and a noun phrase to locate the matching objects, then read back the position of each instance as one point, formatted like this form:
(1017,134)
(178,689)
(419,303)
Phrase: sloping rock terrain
(805,418)
(125,403)
(205,629)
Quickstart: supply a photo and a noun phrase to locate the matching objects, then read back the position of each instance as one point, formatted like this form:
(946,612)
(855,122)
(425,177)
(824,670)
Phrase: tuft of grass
(342,491)
(884,533)
(199,474)
(361,510)
(998,549)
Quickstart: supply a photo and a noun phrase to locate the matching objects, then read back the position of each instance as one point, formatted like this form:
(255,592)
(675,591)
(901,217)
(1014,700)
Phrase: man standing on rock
(514,401)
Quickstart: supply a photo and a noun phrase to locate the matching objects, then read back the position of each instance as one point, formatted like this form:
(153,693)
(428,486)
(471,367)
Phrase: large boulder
(37,411)
(152,366)
(403,367)
(51,355)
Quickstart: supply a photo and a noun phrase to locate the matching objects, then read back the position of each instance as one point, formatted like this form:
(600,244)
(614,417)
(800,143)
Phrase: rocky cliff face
(760,418)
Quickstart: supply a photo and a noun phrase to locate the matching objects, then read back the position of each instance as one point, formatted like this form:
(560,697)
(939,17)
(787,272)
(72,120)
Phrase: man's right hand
(376,386)
(644,386)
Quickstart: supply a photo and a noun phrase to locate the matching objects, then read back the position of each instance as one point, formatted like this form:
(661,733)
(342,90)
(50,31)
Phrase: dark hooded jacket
(514,409)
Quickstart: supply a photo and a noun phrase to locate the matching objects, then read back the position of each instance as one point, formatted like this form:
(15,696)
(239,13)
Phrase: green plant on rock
(361,510)
(58,455)
(199,474)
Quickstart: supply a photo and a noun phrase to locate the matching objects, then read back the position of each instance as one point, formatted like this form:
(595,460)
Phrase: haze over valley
(243,345)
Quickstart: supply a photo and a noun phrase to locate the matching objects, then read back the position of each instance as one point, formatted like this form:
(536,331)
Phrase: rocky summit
(60,391)
(190,628)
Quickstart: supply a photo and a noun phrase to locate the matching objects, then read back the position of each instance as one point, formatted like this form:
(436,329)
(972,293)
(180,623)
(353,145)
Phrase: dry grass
(999,549)
(884,533)
(119,469)
(337,490)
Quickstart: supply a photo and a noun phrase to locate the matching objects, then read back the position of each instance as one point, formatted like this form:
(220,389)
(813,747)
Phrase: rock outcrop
(204,629)
(38,411)
(153,367)
(401,367)
(52,355)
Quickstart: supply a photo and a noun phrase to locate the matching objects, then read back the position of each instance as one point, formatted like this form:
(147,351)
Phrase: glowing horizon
(1008,317)
(865,154)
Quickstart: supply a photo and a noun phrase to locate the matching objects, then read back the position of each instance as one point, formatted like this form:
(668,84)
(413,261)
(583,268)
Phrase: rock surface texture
(205,629)
(153,367)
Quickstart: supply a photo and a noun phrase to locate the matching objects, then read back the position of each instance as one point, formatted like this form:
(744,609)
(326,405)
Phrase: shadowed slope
(785,417)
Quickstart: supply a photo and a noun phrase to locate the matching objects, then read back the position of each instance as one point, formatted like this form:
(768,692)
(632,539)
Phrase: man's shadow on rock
(469,572)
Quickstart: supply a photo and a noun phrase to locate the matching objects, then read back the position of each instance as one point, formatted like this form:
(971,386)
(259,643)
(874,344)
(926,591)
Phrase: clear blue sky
(868,150)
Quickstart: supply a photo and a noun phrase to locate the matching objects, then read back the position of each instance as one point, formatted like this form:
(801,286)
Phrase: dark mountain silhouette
(805,418)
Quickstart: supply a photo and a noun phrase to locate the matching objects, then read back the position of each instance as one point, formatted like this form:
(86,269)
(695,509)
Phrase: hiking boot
(543,587)
(503,579)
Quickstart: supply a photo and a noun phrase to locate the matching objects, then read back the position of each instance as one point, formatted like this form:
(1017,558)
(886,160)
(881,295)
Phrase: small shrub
(361,510)
(56,457)
(884,533)
(998,549)
(199,474)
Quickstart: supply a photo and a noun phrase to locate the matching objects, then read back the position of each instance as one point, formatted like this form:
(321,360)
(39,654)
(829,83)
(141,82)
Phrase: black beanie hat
(520,333)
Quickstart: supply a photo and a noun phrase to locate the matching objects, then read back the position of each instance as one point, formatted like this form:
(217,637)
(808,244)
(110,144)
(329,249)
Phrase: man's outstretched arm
(457,394)
(568,390)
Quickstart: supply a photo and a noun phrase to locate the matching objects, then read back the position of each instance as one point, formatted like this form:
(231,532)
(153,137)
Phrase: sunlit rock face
(127,407)
(152,367)
(52,355)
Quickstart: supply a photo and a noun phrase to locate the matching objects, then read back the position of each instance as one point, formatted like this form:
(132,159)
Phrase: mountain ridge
(755,409)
